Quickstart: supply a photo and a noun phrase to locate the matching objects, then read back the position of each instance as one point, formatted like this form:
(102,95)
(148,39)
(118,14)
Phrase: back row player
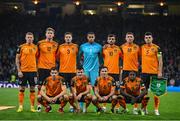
(67,53)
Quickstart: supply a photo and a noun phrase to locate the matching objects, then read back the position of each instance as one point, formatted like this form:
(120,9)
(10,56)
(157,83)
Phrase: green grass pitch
(169,109)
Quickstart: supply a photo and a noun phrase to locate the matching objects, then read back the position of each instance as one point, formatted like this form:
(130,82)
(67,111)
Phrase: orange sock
(135,105)
(156,102)
(21,98)
(32,98)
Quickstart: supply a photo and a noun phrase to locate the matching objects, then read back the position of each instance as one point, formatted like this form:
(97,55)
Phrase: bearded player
(53,91)
(80,86)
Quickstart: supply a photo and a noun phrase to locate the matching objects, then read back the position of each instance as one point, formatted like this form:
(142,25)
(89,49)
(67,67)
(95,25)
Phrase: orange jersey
(54,87)
(150,58)
(130,56)
(47,54)
(111,58)
(27,57)
(80,84)
(67,54)
(133,87)
(104,85)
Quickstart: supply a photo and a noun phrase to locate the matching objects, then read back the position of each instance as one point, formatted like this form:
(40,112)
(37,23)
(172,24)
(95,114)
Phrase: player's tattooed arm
(143,90)
(112,89)
(43,93)
(73,87)
(96,90)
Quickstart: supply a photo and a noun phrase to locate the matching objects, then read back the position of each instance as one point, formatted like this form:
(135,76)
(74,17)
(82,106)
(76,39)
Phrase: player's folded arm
(73,88)
(43,92)
(143,90)
(88,87)
(112,89)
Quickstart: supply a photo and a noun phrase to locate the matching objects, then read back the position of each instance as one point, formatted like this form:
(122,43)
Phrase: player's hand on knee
(101,98)
(105,98)
(79,96)
(49,100)
(54,99)
(159,75)
(20,74)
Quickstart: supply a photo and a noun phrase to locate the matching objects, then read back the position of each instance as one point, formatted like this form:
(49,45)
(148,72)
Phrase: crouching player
(104,90)
(53,91)
(80,88)
(133,91)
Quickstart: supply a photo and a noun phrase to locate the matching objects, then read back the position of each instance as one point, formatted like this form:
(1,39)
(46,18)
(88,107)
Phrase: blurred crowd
(166,31)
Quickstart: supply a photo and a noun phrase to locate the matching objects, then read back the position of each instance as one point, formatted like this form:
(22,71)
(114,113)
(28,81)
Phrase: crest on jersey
(152,49)
(115,50)
(54,46)
(135,47)
(129,50)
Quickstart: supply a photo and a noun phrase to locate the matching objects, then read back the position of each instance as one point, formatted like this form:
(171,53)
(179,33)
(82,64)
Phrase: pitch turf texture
(169,109)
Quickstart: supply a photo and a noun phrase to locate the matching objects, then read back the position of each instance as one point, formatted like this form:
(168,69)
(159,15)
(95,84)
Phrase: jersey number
(129,50)
(147,52)
(48,48)
(68,51)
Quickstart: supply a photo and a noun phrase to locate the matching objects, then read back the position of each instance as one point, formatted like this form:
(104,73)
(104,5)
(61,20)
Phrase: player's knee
(114,97)
(76,98)
(39,87)
(94,98)
(21,89)
(32,89)
(39,98)
(66,97)
(89,96)
(70,97)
